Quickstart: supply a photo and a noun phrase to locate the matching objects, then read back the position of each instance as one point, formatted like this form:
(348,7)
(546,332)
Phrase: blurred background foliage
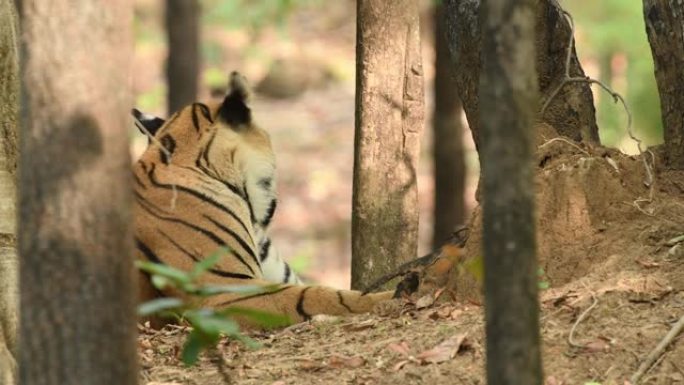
(310,44)
(612,45)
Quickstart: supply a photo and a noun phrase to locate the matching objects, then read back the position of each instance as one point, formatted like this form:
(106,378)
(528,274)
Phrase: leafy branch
(208,325)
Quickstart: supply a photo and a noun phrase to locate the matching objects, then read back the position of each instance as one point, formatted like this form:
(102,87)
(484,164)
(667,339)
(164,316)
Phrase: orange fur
(207,196)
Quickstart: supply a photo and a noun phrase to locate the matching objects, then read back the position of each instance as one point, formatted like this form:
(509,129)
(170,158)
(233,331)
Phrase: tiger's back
(212,187)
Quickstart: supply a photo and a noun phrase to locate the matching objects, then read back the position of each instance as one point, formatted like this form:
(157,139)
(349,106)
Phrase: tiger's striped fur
(214,186)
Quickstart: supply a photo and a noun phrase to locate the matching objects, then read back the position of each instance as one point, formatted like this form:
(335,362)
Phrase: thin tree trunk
(508,104)
(389,119)
(182,67)
(9,109)
(571,113)
(664,20)
(77,292)
(449,156)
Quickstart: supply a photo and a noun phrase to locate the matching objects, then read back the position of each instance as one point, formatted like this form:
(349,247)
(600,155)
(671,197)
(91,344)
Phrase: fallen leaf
(309,365)
(444,351)
(400,365)
(648,264)
(278,383)
(340,362)
(425,301)
(551,380)
(358,326)
(401,348)
(454,314)
(596,346)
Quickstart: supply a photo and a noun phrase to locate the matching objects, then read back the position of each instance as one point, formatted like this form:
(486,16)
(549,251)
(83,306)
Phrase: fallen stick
(658,351)
(458,238)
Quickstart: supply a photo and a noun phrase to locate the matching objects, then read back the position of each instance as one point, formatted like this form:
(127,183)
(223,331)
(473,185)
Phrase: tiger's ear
(234,109)
(147,122)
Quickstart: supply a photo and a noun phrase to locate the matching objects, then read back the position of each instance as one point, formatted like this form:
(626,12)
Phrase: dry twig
(649,182)
(655,354)
(564,140)
(571,338)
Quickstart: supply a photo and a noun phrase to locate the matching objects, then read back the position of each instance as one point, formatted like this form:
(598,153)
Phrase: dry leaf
(454,314)
(425,301)
(401,348)
(340,362)
(278,383)
(444,351)
(596,346)
(648,264)
(358,326)
(309,365)
(400,365)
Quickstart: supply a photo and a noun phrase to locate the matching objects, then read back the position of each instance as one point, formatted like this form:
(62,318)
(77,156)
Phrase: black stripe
(269,213)
(205,111)
(195,258)
(263,253)
(195,118)
(205,150)
(288,272)
(204,232)
(149,254)
(198,195)
(300,304)
(249,249)
(138,181)
(236,190)
(341,300)
(251,209)
(245,298)
(170,145)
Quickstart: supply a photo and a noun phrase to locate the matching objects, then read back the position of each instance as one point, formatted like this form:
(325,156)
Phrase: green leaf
(194,345)
(209,290)
(158,305)
(166,271)
(208,322)
(207,263)
(161,282)
(265,319)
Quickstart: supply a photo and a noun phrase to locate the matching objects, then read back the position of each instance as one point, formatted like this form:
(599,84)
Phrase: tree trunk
(77,291)
(571,112)
(449,156)
(508,106)
(664,20)
(9,109)
(182,67)
(389,119)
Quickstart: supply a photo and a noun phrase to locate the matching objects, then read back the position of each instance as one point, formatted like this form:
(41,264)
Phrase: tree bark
(182,67)
(389,119)
(77,291)
(449,156)
(664,20)
(9,114)
(508,105)
(571,112)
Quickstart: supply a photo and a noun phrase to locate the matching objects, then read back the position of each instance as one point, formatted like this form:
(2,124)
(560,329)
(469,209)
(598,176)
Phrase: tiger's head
(219,138)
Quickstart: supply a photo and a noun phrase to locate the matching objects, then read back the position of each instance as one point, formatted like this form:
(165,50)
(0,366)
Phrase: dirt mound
(616,280)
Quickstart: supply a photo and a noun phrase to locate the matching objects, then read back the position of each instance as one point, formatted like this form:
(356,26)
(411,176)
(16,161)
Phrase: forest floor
(616,285)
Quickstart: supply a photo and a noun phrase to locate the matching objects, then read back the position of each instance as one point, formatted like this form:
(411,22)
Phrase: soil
(616,288)
(615,284)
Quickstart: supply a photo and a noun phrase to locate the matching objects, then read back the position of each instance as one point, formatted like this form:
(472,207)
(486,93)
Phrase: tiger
(207,182)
